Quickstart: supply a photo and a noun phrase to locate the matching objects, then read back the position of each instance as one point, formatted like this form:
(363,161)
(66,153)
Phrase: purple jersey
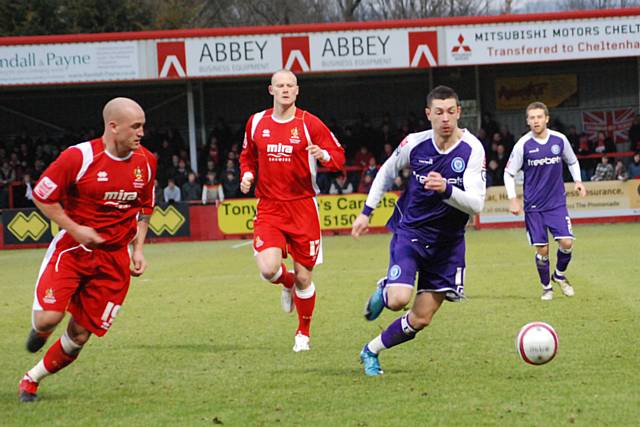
(431,216)
(541,161)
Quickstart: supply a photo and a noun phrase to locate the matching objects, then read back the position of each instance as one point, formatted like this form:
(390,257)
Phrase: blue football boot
(370,363)
(375,303)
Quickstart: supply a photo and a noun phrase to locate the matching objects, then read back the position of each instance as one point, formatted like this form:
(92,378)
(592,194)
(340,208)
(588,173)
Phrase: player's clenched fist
(246,183)
(435,182)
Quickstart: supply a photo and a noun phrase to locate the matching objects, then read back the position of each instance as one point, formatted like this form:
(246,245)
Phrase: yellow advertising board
(337,212)
(514,93)
(604,199)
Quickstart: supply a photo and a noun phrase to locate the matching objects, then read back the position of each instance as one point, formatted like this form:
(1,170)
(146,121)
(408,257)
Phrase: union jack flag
(614,123)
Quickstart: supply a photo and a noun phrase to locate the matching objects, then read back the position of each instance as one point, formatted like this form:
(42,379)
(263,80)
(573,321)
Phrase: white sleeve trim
(471,199)
(87,158)
(574,169)
(510,185)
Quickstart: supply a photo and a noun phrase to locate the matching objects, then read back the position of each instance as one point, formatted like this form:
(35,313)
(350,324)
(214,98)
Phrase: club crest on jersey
(138,181)
(279,152)
(555,149)
(457,164)
(103,176)
(49,297)
(394,272)
(295,136)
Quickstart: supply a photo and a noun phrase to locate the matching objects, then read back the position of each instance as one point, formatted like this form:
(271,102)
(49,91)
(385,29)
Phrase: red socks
(305,301)
(286,279)
(56,359)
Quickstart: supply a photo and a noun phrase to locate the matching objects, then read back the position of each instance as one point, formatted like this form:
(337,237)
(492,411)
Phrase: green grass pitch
(201,340)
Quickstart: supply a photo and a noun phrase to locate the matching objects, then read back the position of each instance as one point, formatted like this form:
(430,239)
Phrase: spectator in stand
(634,166)
(181,175)
(340,185)
(494,173)
(482,137)
(231,166)
(362,157)
(584,149)
(620,171)
(603,143)
(372,167)
(38,167)
(604,170)
(211,167)
(231,186)
(573,137)
(158,193)
(214,151)
(348,142)
(489,125)
(7,176)
(172,192)
(634,134)
(501,156)
(24,193)
(387,151)
(191,190)
(212,191)
(365,183)
(507,138)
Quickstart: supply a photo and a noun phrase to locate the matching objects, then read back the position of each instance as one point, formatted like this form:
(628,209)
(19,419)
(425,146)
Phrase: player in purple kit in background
(428,223)
(540,154)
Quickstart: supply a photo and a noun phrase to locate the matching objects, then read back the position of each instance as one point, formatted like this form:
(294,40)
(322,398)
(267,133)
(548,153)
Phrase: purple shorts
(557,221)
(441,266)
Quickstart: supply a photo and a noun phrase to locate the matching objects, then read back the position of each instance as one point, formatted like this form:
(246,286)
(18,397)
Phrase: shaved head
(283,72)
(123,125)
(119,108)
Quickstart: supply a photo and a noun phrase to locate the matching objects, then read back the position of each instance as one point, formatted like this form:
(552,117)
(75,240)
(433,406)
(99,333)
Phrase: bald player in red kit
(100,193)
(281,150)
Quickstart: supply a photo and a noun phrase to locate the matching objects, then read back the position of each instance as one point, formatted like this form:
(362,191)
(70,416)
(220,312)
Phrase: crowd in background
(367,143)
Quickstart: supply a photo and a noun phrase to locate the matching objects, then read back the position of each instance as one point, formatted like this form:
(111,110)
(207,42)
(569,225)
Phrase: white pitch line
(239,245)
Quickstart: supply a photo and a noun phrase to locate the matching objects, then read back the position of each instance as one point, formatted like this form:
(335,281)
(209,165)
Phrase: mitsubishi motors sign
(542,41)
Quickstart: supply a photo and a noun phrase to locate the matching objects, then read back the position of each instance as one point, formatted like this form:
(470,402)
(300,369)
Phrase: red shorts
(90,284)
(293,226)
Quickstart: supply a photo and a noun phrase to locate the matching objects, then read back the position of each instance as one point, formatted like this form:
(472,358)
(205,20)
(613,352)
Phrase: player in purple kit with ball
(428,223)
(540,154)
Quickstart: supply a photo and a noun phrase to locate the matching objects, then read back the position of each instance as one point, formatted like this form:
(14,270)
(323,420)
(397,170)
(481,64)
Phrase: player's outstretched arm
(84,235)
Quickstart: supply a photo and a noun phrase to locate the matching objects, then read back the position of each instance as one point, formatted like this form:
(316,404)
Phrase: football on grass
(537,343)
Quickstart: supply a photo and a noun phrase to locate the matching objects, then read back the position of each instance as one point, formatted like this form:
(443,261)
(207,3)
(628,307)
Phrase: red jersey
(275,152)
(99,190)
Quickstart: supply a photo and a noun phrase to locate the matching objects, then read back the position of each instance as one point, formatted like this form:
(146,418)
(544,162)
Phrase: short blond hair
(538,106)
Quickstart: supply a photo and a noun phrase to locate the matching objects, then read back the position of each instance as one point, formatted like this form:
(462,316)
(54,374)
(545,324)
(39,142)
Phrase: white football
(537,343)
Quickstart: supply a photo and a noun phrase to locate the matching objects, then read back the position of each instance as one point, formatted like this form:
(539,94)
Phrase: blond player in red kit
(100,193)
(281,149)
